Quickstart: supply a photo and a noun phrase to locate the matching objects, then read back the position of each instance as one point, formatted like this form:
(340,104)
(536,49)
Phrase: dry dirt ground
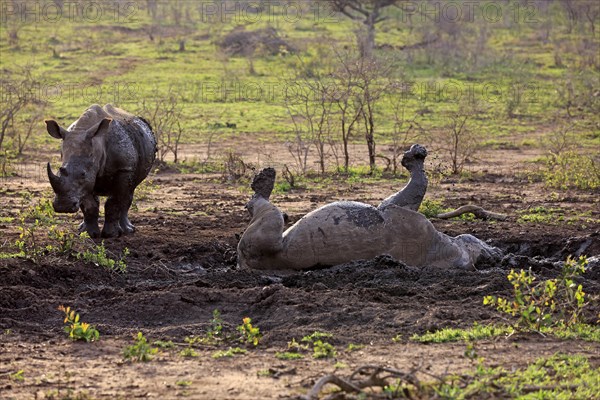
(182,266)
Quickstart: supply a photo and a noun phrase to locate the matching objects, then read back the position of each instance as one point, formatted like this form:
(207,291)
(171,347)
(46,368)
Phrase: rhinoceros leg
(112,211)
(412,194)
(126,225)
(90,206)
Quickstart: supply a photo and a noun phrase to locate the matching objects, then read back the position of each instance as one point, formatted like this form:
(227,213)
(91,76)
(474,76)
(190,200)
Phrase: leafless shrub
(459,140)
(579,93)
(241,42)
(163,112)
(288,176)
(17,95)
(234,167)
(406,131)
(310,109)
(28,122)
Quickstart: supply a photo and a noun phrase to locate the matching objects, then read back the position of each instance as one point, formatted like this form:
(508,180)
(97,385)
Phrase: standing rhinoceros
(345,231)
(106,152)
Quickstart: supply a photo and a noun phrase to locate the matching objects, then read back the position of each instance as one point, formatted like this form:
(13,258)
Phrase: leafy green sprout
(321,349)
(354,347)
(188,352)
(249,334)
(18,376)
(76,329)
(230,352)
(140,350)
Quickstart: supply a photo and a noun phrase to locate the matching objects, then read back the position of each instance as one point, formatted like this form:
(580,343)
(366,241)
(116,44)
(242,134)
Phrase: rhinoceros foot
(92,229)
(127,226)
(264,182)
(111,229)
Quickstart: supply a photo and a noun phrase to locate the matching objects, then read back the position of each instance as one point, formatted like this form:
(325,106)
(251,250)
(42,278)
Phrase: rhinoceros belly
(347,231)
(334,234)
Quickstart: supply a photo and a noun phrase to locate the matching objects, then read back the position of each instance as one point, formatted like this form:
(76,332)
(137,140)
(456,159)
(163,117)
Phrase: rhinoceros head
(82,155)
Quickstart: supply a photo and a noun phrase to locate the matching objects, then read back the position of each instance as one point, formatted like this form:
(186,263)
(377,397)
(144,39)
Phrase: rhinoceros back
(132,138)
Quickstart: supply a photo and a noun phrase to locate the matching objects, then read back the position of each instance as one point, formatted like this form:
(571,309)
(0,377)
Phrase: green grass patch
(477,332)
(230,352)
(589,333)
(288,355)
(560,376)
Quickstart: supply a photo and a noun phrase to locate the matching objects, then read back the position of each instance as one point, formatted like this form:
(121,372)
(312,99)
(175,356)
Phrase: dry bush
(163,112)
(234,167)
(240,42)
(460,140)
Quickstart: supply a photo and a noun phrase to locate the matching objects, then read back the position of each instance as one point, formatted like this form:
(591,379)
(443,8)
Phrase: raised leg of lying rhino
(262,241)
(412,194)
(90,206)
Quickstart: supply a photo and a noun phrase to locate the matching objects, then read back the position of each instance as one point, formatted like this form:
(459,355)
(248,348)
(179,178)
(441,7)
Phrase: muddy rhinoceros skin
(106,152)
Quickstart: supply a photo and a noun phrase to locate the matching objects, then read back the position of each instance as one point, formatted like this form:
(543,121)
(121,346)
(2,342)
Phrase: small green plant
(288,355)
(471,352)
(321,349)
(544,304)
(354,347)
(296,347)
(18,376)
(316,336)
(264,372)
(140,350)
(215,332)
(164,344)
(232,351)
(431,208)
(183,383)
(188,352)
(397,338)
(340,365)
(98,255)
(250,334)
(78,330)
(65,240)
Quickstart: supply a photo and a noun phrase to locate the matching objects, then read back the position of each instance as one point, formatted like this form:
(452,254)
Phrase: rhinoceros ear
(55,130)
(99,129)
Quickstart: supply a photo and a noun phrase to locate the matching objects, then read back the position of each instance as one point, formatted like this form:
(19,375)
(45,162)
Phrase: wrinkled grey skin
(341,232)
(106,152)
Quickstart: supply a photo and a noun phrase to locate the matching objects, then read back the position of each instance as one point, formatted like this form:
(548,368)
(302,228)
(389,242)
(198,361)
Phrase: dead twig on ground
(475,210)
(377,378)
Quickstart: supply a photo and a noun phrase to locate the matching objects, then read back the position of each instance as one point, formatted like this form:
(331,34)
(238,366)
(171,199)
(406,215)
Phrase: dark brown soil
(183,266)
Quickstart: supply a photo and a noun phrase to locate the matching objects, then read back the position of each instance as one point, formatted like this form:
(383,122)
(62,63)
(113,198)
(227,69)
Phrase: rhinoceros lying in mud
(345,231)
(106,152)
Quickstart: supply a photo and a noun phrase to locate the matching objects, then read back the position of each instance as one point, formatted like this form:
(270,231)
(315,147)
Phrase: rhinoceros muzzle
(63,202)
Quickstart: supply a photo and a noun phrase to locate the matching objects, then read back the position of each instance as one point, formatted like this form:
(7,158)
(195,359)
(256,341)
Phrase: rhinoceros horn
(54,180)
